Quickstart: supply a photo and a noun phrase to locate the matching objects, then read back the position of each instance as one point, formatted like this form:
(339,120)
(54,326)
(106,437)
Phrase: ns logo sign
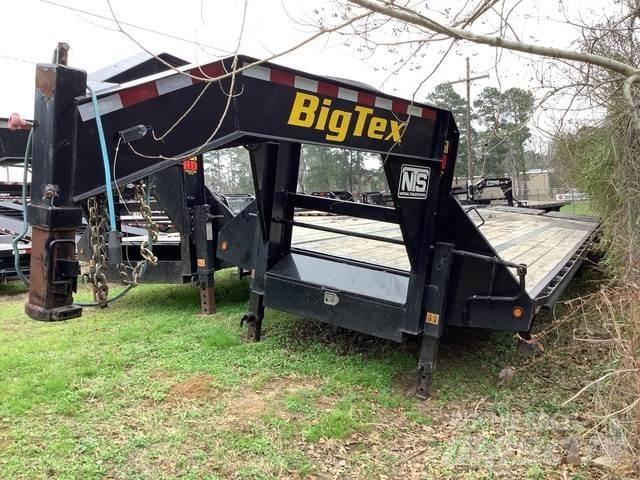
(414,182)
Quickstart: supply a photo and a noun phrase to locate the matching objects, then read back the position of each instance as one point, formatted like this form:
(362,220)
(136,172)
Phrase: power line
(139,27)
(16,59)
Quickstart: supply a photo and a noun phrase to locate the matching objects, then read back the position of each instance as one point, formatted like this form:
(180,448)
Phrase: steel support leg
(254,317)
(208,296)
(434,320)
(426,366)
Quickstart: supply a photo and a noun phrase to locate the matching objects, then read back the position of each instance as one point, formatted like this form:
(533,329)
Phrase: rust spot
(46,81)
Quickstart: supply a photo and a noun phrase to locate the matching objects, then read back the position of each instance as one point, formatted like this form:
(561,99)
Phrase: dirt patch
(248,404)
(198,387)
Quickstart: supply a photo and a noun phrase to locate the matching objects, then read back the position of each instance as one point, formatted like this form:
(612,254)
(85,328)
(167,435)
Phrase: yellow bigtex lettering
(309,112)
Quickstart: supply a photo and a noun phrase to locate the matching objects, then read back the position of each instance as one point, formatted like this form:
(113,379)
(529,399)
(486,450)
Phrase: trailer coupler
(51,289)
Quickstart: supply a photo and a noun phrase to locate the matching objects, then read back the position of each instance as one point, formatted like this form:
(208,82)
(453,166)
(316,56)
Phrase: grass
(581,207)
(149,388)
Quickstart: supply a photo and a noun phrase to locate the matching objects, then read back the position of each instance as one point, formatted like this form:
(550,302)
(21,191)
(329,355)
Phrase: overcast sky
(31,29)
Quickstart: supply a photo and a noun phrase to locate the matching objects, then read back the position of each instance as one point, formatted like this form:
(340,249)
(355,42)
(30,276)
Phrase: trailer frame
(455,276)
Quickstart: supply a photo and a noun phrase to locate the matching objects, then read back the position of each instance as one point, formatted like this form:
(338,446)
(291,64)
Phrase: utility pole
(469,154)
(468,81)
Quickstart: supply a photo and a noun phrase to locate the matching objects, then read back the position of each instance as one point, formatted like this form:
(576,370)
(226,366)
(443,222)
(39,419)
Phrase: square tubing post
(435,301)
(52,214)
(264,159)
(203,233)
(275,173)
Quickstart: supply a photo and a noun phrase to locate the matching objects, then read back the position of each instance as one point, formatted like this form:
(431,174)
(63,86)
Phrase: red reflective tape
(327,89)
(366,99)
(399,107)
(428,113)
(138,94)
(283,78)
(212,70)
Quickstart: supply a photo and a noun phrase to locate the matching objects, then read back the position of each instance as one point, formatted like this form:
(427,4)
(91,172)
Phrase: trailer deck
(542,242)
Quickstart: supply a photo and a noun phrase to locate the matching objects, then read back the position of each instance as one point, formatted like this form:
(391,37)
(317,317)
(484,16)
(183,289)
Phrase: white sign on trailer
(414,182)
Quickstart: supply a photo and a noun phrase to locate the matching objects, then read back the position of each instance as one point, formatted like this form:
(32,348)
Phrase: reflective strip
(306,84)
(173,83)
(145,91)
(107,105)
(415,110)
(346,94)
(259,72)
(383,103)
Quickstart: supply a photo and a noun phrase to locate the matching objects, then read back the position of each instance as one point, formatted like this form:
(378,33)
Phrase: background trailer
(452,273)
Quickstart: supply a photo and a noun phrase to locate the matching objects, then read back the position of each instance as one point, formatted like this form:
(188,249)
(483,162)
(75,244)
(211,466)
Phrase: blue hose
(25,225)
(105,161)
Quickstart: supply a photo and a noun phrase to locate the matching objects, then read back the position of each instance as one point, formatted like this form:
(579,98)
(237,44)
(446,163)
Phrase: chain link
(98,260)
(152,227)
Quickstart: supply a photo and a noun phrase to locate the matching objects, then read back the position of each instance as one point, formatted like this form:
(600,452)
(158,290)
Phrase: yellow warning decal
(432,318)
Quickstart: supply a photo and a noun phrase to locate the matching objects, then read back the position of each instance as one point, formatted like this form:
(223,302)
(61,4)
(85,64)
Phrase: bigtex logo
(309,111)
(414,181)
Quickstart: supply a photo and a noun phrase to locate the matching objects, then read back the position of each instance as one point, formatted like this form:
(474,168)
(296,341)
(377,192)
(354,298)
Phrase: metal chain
(133,278)
(98,261)
(152,227)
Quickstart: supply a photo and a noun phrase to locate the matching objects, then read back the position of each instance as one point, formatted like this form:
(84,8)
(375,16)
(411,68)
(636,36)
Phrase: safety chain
(152,228)
(145,252)
(98,261)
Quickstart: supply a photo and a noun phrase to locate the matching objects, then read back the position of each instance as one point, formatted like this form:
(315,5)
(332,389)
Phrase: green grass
(149,388)
(582,207)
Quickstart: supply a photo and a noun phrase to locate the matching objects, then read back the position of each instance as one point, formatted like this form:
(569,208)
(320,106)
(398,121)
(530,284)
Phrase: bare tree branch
(412,17)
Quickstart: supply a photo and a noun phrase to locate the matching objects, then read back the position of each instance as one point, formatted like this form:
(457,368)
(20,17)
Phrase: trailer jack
(254,317)
(426,366)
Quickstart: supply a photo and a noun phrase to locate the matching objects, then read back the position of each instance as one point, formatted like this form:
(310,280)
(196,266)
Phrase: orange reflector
(224,245)
(517,312)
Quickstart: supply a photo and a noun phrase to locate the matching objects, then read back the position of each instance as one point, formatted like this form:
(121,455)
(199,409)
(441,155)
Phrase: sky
(31,29)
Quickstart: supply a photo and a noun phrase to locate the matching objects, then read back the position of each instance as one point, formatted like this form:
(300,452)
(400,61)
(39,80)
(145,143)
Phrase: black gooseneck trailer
(453,275)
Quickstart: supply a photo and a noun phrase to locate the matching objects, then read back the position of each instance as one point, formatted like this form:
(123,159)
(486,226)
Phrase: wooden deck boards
(542,243)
